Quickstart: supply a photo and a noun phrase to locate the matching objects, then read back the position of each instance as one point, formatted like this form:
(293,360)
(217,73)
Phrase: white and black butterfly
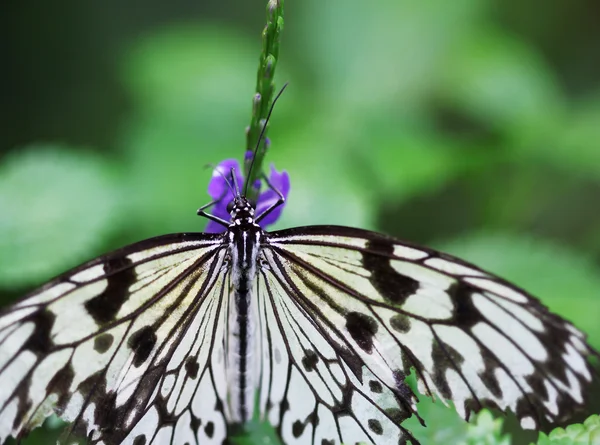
(179,338)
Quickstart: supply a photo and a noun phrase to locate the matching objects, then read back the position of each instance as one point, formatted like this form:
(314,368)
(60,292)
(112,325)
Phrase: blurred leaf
(167,176)
(485,430)
(566,281)
(192,72)
(322,191)
(407,161)
(504,83)
(57,205)
(341,174)
(587,433)
(194,102)
(49,433)
(574,145)
(370,54)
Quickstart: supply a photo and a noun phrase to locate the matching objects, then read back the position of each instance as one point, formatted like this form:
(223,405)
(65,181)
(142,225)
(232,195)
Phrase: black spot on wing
(310,360)
(140,440)
(400,323)
(40,342)
(106,413)
(327,442)
(192,367)
(103,342)
(466,315)
(394,287)
(488,377)
(195,424)
(352,361)
(104,307)
(526,409)
(444,357)
(142,342)
(297,428)
(375,426)
(556,340)
(362,328)
(375,386)
(536,381)
(60,383)
(209,430)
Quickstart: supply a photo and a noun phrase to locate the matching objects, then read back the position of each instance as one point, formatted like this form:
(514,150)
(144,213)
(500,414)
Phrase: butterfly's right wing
(122,346)
(347,314)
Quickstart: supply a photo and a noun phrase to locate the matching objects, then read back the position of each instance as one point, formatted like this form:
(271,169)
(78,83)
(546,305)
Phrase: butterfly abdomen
(241,366)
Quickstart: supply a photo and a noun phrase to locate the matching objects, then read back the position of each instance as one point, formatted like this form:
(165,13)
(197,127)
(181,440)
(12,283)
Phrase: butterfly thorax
(244,237)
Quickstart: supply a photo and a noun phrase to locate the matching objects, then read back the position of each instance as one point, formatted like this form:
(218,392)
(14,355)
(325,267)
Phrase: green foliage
(486,431)
(586,433)
(428,118)
(52,197)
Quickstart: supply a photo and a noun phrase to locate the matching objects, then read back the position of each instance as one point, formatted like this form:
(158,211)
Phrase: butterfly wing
(105,345)
(356,310)
(313,389)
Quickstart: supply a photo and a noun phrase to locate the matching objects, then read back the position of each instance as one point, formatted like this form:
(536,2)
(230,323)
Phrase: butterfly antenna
(235,188)
(216,168)
(260,137)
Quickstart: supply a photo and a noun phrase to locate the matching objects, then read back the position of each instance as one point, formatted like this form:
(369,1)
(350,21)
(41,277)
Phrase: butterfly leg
(214,218)
(279,202)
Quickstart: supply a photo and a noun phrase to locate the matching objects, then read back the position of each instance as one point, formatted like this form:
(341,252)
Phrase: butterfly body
(245,237)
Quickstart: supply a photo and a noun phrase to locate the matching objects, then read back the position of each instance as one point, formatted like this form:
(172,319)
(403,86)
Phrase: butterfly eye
(230,207)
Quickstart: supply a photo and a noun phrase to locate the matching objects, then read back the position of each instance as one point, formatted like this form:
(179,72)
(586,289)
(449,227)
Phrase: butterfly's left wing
(128,348)
(349,312)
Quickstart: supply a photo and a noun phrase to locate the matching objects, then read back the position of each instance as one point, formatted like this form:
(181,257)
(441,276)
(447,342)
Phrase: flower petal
(214,227)
(217,186)
(281,182)
(219,190)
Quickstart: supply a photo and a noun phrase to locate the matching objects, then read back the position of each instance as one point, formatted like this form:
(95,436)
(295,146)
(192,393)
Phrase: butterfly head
(242,211)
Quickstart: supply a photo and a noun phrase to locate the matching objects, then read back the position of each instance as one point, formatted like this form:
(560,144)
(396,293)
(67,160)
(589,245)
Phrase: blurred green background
(472,126)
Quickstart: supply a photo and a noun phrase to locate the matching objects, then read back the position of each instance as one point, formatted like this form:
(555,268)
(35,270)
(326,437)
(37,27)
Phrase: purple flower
(220,191)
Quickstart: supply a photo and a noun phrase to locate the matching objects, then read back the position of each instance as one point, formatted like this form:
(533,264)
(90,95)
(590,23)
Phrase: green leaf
(586,433)
(193,101)
(57,205)
(192,72)
(566,281)
(444,425)
(503,83)
(369,54)
(485,430)
(573,145)
(407,161)
(322,191)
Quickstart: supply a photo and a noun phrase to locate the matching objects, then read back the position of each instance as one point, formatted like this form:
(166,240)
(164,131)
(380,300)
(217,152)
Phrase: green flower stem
(265,88)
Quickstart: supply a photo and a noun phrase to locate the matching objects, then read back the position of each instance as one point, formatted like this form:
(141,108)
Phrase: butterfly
(182,338)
